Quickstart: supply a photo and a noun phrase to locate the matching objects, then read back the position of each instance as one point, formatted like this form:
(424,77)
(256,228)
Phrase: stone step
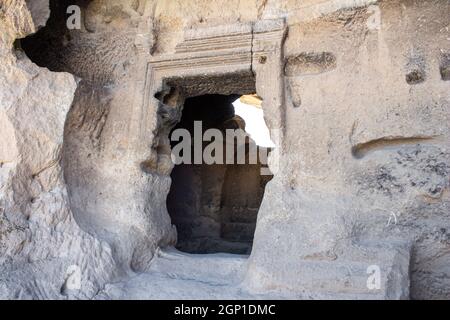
(217,269)
(364,271)
(209,245)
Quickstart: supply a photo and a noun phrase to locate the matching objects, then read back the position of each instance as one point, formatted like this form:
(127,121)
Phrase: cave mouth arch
(214,207)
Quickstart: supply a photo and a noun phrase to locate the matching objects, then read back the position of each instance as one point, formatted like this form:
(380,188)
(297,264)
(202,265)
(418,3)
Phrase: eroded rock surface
(356,94)
(39,239)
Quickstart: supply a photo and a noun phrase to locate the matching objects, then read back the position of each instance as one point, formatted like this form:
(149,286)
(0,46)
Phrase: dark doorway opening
(214,206)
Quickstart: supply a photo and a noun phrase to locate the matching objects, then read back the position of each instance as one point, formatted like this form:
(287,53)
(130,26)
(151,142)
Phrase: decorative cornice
(222,46)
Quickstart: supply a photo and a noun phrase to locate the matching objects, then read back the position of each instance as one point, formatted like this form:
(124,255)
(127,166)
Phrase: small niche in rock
(51,47)
(214,206)
(415,77)
(445,67)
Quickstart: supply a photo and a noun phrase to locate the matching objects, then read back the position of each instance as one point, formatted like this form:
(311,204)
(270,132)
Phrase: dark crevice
(50,45)
(215,206)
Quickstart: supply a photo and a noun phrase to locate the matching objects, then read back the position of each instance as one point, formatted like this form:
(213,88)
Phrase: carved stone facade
(356,96)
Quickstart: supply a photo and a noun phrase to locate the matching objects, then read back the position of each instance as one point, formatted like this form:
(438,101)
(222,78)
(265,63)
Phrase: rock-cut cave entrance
(214,206)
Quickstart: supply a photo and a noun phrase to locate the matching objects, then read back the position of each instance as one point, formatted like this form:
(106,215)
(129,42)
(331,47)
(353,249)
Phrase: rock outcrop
(356,94)
(40,242)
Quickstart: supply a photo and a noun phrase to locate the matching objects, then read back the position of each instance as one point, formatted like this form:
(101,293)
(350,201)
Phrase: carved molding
(225,48)
(239,51)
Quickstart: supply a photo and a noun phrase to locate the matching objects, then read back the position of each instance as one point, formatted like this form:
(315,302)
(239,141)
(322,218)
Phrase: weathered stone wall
(363,177)
(101,131)
(365,162)
(40,243)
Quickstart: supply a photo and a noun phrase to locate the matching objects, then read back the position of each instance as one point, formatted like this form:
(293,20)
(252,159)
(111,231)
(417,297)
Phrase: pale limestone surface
(39,238)
(356,91)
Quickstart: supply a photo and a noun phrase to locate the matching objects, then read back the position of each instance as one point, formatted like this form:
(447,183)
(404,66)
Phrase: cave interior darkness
(214,206)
